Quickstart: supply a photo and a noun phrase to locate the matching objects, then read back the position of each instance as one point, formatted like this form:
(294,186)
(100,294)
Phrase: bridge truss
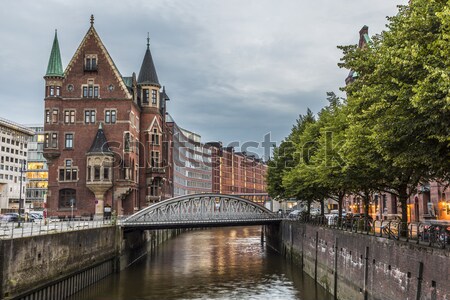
(201,210)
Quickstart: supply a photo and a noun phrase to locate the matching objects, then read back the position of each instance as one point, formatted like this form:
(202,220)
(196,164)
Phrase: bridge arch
(201,210)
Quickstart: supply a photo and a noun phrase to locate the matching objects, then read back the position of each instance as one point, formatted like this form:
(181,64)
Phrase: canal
(217,263)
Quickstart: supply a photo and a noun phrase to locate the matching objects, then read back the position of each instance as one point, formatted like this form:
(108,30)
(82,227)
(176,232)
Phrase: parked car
(314,211)
(10,217)
(294,214)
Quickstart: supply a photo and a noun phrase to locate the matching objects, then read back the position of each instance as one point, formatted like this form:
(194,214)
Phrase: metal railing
(427,234)
(10,230)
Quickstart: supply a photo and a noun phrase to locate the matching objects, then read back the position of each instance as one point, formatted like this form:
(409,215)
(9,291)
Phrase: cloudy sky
(235,70)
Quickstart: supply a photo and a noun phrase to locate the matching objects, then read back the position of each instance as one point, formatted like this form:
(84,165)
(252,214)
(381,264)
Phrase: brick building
(237,173)
(104,133)
(110,145)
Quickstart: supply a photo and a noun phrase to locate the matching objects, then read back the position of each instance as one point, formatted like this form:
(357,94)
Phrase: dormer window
(90,62)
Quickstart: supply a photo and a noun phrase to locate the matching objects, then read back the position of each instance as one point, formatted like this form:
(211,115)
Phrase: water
(218,263)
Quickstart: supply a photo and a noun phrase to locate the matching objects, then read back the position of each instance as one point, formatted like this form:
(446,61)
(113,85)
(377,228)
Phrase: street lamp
(72,202)
(22,169)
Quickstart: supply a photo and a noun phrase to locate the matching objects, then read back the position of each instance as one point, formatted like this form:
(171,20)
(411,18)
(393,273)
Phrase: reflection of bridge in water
(203,210)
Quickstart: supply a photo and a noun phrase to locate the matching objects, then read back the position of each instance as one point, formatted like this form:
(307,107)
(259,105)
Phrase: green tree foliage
(392,132)
(285,157)
(399,108)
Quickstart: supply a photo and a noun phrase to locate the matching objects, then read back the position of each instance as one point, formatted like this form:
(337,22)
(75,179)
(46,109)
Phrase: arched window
(67,198)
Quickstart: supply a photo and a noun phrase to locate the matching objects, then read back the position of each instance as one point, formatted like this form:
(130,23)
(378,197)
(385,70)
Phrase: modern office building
(13,156)
(37,170)
(191,161)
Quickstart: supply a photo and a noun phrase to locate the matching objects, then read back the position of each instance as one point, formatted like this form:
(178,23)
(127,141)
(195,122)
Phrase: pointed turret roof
(100,143)
(54,67)
(147,74)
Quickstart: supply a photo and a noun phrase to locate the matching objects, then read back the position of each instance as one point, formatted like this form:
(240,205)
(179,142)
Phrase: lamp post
(381,206)
(72,202)
(22,169)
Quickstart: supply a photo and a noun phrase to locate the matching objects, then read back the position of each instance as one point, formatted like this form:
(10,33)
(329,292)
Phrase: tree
(285,158)
(396,112)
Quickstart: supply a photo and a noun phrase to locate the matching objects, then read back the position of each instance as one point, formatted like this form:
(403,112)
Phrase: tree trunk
(340,201)
(322,207)
(403,198)
(366,200)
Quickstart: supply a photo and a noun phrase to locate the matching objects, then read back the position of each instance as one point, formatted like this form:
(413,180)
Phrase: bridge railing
(427,234)
(10,230)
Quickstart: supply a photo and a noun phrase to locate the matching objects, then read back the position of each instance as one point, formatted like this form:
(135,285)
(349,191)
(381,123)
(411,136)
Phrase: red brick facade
(90,93)
(107,143)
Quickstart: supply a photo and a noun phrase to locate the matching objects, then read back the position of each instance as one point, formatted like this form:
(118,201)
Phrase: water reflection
(218,263)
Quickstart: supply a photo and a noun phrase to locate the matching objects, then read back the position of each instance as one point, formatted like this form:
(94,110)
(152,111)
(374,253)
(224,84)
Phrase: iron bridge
(201,210)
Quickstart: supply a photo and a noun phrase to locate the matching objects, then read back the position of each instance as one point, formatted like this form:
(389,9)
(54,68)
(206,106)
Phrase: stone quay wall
(55,266)
(357,266)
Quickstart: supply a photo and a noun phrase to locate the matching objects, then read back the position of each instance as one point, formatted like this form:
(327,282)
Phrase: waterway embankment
(55,266)
(357,266)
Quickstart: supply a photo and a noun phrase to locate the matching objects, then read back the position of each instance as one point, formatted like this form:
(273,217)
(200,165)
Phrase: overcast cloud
(235,70)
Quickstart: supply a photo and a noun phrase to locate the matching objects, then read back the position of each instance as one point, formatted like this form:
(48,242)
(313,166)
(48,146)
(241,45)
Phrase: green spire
(54,63)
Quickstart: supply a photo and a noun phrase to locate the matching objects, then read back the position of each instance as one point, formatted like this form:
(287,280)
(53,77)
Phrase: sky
(236,71)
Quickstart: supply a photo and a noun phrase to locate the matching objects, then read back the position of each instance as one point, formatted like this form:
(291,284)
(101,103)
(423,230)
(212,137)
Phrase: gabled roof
(155,123)
(147,73)
(54,67)
(92,32)
(100,143)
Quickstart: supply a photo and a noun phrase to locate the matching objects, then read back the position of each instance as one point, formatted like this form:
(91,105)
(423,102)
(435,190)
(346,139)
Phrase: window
(55,116)
(154,188)
(90,63)
(145,95)
(127,142)
(69,140)
(47,116)
(91,90)
(89,116)
(69,116)
(68,172)
(110,116)
(153,96)
(96,172)
(52,91)
(67,198)
(155,137)
(155,159)
(51,140)
(54,140)
(58,91)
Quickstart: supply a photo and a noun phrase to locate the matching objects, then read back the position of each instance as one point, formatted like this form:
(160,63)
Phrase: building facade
(238,173)
(37,171)
(103,133)
(110,145)
(13,157)
(191,161)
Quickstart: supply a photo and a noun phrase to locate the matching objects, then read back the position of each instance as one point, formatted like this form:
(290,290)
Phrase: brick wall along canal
(218,263)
